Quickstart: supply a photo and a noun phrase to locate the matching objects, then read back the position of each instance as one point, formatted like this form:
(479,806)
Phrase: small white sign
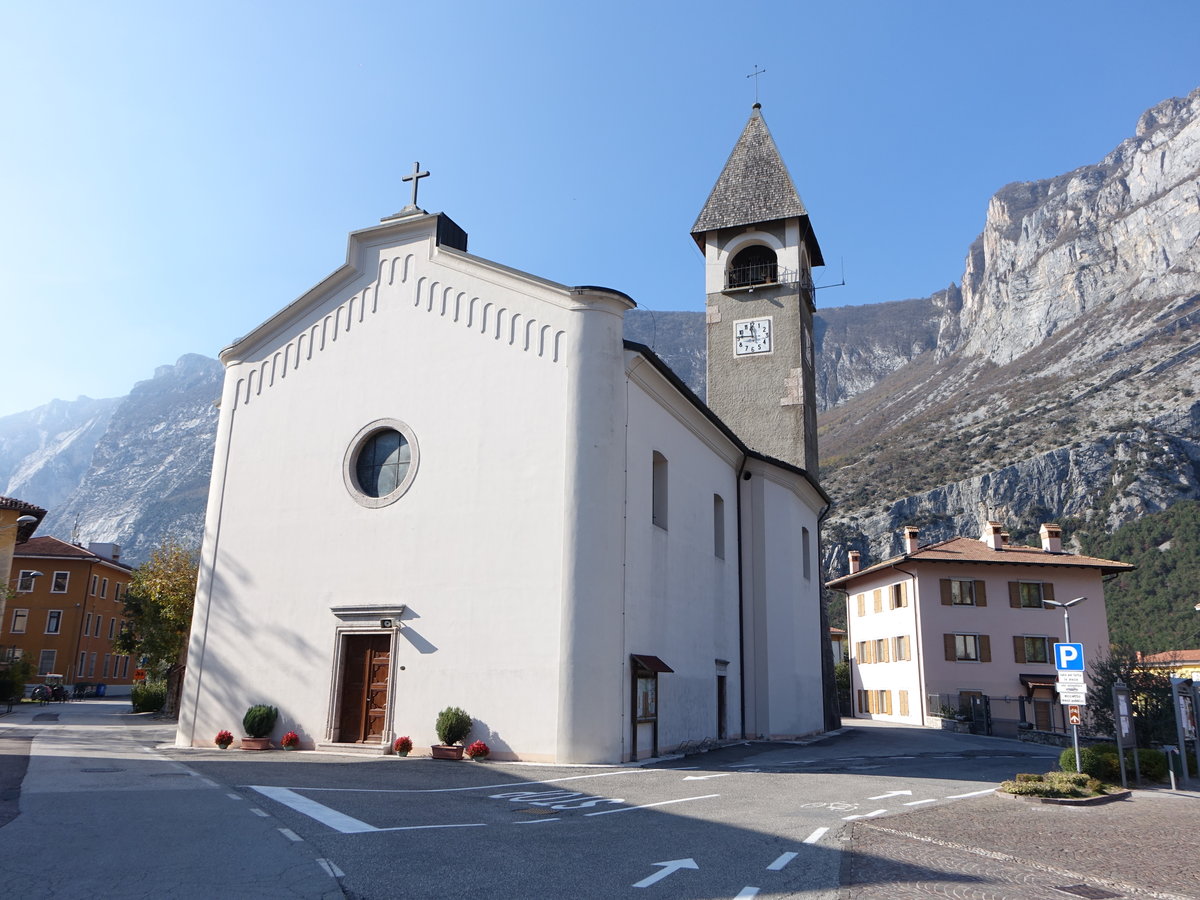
(1070,678)
(1073,698)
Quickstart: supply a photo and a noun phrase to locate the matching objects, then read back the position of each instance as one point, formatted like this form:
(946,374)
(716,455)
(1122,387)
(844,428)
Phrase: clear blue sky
(174,173)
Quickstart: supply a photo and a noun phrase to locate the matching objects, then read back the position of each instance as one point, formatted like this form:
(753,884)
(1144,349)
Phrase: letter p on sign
(1068,657)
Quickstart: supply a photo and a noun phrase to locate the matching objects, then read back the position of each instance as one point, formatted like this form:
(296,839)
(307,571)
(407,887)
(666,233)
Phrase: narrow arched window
(753,265)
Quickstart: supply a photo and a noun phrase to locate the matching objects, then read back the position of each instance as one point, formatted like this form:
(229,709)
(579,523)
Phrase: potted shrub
(223,739)
(478,751)
(258,723)
(453,724)
(402,746)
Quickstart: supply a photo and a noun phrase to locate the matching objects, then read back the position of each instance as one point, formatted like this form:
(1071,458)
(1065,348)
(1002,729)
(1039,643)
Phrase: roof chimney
(1004,538)
(855,561)
(910,538)
(1051,538)
(993,535)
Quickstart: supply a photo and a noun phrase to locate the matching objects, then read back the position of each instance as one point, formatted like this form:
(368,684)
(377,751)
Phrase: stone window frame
(350,463)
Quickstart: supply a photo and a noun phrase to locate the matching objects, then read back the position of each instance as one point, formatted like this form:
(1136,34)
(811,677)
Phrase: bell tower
(759,250)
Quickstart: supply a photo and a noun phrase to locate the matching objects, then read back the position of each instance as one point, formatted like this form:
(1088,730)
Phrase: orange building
(66,610)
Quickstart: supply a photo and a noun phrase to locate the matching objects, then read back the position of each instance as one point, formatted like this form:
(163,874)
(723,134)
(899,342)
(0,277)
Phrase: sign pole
(1068,661)
(1074,724)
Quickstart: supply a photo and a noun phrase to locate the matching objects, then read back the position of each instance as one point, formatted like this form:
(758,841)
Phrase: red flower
(402,745)
(291,739)
(478,749)
(223,737)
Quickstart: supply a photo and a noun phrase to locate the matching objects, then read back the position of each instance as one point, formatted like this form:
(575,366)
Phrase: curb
(1069,801)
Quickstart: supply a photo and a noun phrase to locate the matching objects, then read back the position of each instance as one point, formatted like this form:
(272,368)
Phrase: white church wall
(473,358)
(782,604)
(680,598)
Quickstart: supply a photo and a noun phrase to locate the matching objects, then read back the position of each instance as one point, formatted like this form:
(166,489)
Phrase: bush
(453,724)
(1152,763)
(148,697)
(259,720)
(1053,784)
(1094,761)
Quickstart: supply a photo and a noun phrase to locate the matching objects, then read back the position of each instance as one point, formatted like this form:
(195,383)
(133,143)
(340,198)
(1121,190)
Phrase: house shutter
(985,648)
(1014,594)
(887,702)
(948,640)
(1047,593)
(946,598)
(980,594)
(904,593)
(887,656)
(1019,648)
(903,697)
(877,595)
(862,604)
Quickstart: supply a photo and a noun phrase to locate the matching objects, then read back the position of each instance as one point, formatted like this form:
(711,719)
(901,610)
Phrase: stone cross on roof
(411,209)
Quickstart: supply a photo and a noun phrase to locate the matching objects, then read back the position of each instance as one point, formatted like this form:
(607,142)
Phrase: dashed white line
(536,821)
(330,869)
(609,812)
(814,837)
(784,859)
(290,835)
(259,812)
(919,802)
(870,815)
(234,796)
(747,892)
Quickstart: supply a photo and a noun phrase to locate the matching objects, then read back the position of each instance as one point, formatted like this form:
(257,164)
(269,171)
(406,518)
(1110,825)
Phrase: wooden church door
(366,665)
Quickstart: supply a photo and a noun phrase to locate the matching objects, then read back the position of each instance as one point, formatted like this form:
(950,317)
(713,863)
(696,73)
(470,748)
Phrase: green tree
(158,610)
(1149,694)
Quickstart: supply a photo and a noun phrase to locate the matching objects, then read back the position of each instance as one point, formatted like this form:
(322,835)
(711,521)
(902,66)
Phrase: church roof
(754,187)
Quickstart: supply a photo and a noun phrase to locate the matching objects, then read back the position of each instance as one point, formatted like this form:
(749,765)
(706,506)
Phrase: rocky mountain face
(1057,383)
(131,470)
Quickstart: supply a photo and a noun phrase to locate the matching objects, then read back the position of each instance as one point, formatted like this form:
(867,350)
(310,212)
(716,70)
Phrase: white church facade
(440,481)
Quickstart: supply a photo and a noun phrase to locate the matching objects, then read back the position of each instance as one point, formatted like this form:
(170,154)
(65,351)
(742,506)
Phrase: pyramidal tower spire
(759,250)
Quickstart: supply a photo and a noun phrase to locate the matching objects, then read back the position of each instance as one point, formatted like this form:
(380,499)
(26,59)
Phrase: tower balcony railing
(766,275)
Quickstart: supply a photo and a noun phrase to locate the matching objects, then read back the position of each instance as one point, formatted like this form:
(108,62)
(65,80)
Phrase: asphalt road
(109,808)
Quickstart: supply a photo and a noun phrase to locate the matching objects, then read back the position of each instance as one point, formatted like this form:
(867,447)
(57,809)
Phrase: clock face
(752,336)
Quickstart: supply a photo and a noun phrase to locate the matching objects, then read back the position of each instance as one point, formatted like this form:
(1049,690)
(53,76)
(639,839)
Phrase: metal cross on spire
(414,178)
(757,71)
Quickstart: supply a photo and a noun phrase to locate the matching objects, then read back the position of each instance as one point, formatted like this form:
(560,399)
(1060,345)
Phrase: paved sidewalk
(996,848)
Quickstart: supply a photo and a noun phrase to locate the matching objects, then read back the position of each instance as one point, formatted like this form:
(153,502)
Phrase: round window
(380,463)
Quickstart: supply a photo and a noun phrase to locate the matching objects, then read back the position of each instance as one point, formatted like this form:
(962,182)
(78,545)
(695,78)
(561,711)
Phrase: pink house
(970,623)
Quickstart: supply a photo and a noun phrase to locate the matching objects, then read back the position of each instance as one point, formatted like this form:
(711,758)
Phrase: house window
(124,666)
(104,671)
(25,581)
(99,623)
(104,588)
(755,264)
(92,666)
(112,627)
(87,624)
(658,493)
(95,581)
(46,661)
(59,585)
(20,620)
(1029,648)
(1029,594)
(718,526)
(900,648)
(53,621)
(806,549)
(968,648)
(82,663)
(898,595)
(875,702)
(956,592)
(117,592)
(881,650)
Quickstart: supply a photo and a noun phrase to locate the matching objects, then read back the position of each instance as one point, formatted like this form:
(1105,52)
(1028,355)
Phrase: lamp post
(1066,608)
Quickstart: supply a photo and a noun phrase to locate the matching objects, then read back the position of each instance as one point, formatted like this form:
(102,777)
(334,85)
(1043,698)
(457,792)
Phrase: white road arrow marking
(890,794)
(705,777)
(669,867)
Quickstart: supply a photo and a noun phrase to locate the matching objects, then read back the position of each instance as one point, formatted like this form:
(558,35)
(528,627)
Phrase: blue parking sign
(1068,657)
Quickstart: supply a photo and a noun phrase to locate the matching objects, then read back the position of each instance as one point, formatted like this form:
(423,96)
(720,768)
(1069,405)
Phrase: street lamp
(1066,607)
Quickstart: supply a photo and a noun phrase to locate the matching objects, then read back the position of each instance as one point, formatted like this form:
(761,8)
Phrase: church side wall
(783,635)
(473,364)
(680,597)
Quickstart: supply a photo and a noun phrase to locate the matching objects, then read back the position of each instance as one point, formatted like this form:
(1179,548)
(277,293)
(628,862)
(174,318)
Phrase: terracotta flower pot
(447,751)
(249,743)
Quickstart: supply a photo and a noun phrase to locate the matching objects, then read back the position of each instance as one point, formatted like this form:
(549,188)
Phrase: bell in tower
(759,250)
